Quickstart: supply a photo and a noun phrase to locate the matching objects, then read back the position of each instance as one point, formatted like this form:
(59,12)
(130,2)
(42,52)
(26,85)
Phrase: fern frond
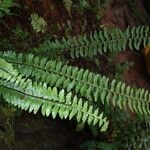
(30,96)
(87,84)
(68,5)
(53,73)
(104,41)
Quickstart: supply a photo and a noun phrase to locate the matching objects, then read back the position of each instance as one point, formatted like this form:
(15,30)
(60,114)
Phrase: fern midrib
(55,102)
(6,71)
(93,85)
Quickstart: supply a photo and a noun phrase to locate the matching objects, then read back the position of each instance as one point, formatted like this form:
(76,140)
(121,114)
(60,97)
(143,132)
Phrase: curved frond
(103,41)
(25,94)
(87,84)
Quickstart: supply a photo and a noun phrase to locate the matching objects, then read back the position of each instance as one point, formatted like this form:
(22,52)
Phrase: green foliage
(125,134)
(36,83)
(139,142)
(104,41)
(20,34)
(68,5)
(43,47)
(38,23)
(139,136)
(32,96)
(5,6)
(50,86)
(92,86)
(5,44)
(82,5)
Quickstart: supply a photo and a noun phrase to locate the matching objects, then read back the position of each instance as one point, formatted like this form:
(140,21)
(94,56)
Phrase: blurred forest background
(29,24)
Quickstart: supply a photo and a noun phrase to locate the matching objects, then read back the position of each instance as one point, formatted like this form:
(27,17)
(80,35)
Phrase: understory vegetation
(55,69)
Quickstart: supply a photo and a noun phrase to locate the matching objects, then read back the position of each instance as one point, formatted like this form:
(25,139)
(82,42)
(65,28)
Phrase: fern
(35,83)
(5,6)
(103,41)
(138,136)
(87,84)
(68,5)
(25,94)
(38,23)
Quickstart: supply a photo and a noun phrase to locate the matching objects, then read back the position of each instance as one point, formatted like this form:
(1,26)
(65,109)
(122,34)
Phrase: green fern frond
(54,73)
(87,84)
(25,94)
(104,41)
(5,6)
(68,5)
